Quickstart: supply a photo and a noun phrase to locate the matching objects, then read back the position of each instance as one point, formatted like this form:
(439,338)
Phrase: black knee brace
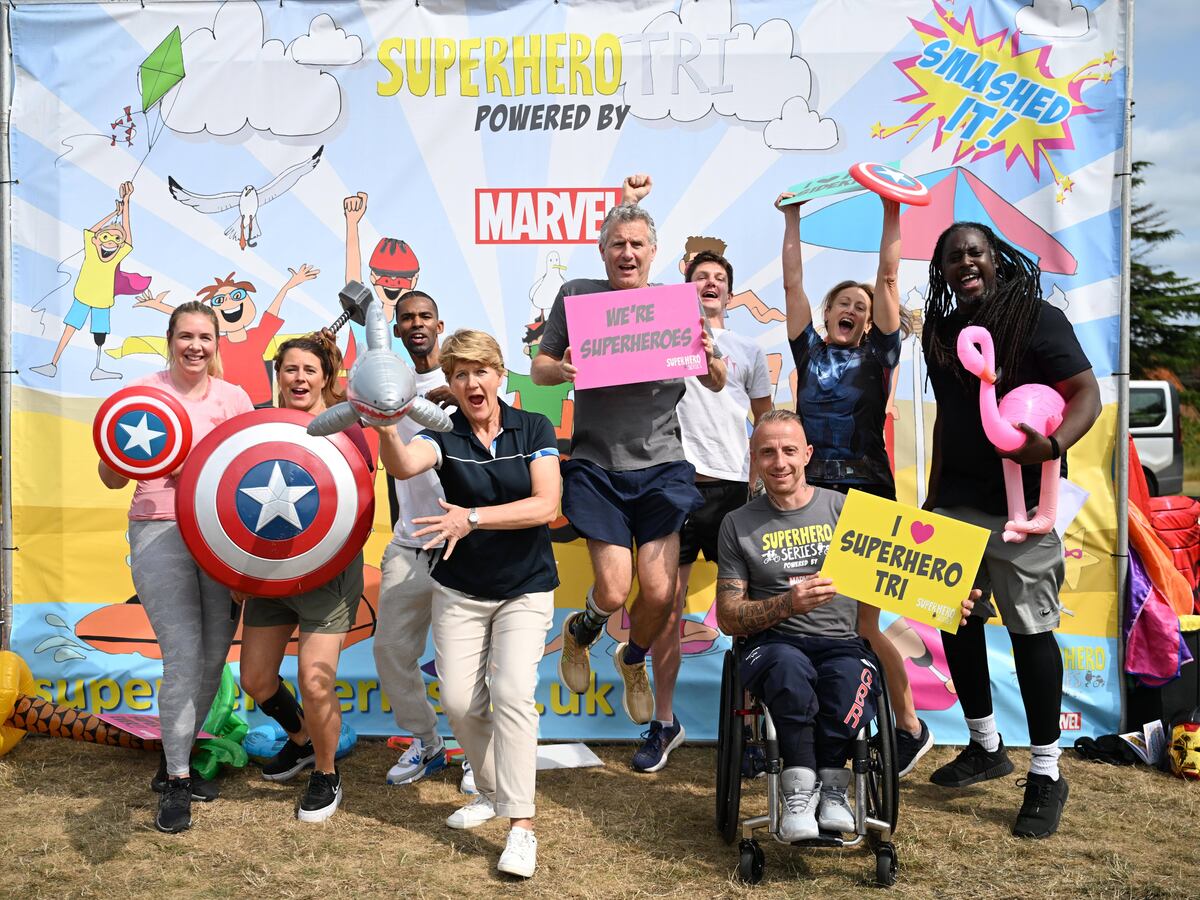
(283,708)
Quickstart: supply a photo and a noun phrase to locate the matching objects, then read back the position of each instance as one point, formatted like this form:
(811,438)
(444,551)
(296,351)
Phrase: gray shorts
(328,609)
(1021,581)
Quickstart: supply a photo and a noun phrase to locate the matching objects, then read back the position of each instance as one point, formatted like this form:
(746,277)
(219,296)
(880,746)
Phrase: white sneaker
(834,812)
(800,795)
(520,853)
(467,785)
(418,761)
(472,815)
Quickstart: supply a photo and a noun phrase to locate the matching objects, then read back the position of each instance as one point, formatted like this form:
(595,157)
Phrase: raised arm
(103,222)
(635,188)
(799,313)
(126,192)
(885,309)
(355,208)
(401,460)
(298,277)
(738,614)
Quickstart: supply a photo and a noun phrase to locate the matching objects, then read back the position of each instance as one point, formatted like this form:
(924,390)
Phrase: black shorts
(628,508)
(702,527)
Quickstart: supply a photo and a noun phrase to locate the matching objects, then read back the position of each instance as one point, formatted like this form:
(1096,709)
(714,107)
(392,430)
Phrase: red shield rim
(229,551)
(166,408)
(868,175)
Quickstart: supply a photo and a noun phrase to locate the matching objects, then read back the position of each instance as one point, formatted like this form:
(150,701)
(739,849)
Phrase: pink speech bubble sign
(920,532)
(628,337)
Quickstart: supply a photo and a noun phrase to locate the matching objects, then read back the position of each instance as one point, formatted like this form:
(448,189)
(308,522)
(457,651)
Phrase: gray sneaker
(801,792)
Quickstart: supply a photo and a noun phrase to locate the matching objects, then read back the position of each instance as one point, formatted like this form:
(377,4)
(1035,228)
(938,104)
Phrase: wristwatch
(473,518)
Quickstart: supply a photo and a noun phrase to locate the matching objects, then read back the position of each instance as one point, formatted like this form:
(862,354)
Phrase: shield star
(277,499)
(141,435)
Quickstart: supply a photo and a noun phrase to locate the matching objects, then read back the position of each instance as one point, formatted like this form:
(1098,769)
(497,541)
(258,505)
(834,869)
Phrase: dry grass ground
(75,821)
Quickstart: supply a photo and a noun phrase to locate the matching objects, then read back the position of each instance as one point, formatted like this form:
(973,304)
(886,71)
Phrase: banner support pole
(6,361)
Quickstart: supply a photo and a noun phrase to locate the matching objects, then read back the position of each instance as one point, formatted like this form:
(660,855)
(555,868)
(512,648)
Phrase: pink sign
(143,725)
(627,337)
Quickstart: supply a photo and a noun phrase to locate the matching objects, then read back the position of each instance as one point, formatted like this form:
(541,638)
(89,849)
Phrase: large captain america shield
(142,432)
(891,183)
(269,510)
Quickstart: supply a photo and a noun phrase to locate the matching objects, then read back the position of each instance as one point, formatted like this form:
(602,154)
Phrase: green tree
(1164,307)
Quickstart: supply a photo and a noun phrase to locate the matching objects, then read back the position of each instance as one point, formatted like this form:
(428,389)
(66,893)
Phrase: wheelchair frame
(876,784)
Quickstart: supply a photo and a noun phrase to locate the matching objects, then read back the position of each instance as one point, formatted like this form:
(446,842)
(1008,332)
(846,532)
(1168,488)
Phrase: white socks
(983,732)
(1044,759)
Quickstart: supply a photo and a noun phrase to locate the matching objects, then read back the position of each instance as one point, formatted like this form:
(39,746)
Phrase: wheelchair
(746,722)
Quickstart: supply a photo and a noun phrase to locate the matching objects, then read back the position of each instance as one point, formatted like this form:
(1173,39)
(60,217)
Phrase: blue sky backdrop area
(1166,125)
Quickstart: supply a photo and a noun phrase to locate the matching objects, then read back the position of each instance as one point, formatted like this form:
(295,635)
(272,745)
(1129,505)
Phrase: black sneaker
(289,762)
(973,765)
(658,742)
(322,797)
(175,806)
(203,790)
(910,748)
(1042,807)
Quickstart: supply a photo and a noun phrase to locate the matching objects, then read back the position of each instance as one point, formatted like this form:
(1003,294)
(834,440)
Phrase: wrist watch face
(473,519)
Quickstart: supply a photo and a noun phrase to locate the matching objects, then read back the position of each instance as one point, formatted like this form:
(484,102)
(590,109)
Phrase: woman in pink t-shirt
(193,616)
(306,371)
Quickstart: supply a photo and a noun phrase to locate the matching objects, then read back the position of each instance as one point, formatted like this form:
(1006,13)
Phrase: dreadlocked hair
(1010,311)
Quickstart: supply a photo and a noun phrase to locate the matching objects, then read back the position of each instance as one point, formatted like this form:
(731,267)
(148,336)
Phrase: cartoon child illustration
(394,266)
(242,343)
(105,244)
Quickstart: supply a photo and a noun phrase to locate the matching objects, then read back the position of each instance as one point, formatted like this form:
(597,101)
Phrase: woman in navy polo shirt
(494,601)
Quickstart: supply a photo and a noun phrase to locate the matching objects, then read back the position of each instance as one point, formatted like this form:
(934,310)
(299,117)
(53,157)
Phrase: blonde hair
(195,307)
(467,345)
(906,319)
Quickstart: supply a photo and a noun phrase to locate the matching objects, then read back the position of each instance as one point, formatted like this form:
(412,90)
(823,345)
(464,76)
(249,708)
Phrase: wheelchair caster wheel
(885,865)
(751,862)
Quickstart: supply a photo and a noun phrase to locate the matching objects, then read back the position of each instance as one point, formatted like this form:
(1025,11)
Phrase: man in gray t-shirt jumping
(802,655)
(627,482)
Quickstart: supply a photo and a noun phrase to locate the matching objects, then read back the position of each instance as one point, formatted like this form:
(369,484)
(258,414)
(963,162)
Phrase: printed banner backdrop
(491,142)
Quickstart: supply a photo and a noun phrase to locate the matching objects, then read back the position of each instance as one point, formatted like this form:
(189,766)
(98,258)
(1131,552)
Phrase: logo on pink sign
(627,337)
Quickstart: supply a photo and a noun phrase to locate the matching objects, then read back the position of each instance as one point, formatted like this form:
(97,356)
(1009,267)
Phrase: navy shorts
(702,527)
(627,508)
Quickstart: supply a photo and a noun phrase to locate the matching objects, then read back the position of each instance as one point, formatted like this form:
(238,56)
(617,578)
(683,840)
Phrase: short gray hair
(622,214)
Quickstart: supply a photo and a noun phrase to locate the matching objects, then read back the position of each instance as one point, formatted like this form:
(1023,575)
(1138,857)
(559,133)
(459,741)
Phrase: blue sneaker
(658,743)
(417,762)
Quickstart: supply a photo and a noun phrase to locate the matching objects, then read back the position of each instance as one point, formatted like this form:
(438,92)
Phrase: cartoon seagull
(547,286)
(247,201)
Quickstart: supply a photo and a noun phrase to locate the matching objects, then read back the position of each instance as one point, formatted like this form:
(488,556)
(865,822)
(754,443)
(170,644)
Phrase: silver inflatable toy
(381,389)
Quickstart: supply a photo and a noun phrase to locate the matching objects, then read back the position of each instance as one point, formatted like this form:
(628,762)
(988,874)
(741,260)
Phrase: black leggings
(1039,673)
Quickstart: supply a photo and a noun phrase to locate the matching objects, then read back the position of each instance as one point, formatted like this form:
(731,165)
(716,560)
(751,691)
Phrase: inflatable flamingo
(1036,405)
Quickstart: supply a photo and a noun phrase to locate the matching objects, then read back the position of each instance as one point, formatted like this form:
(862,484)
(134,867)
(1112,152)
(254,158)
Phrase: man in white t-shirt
(716,443)
(406,587)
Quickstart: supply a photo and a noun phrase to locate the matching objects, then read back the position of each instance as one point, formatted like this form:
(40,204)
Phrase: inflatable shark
(381,388)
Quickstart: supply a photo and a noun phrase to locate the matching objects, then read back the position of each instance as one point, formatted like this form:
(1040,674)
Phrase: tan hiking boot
(638,698)
(574,663)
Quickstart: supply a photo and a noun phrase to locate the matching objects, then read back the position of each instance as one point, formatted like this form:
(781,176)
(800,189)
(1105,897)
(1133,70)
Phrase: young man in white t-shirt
(406,587)
(715,442)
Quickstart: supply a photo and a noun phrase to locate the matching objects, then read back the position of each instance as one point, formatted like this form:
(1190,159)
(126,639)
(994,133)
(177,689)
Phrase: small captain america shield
(142,432)
(267,509)
(890,183)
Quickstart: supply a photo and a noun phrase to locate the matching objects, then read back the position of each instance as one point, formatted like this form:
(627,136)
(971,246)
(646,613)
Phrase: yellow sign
(903,559)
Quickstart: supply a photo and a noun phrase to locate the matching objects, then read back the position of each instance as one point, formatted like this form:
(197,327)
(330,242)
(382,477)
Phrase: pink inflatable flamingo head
(977,353)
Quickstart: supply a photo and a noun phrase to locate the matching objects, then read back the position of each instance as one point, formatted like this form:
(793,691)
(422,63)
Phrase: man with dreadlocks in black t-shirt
(977,279)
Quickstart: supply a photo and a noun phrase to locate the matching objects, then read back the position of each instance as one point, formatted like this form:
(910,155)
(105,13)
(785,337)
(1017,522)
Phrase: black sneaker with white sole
(289,761)
(175,806)
(973,765)
(911,747)
(203,790)
(321,798)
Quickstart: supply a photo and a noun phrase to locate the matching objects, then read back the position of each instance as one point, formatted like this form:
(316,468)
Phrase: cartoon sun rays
(991,96)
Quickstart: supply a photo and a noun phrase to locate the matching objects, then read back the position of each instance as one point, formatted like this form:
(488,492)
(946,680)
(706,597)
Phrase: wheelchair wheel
(752,862)
(730,744)
(883,782)
(885,865)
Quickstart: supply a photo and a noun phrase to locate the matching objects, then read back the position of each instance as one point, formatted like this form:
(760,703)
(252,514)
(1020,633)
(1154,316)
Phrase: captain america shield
(142,432)
(892,184)
(269,510)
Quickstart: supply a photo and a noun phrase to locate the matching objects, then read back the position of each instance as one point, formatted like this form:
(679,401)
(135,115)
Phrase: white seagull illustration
(247,200)
(547,286)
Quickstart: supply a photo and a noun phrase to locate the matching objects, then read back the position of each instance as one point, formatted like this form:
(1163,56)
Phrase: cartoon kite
(247,201)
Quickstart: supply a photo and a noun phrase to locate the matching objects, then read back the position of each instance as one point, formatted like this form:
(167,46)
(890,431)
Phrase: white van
(1156,428)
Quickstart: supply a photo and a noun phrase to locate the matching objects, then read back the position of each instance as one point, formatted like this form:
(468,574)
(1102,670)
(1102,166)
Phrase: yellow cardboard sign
(903,559)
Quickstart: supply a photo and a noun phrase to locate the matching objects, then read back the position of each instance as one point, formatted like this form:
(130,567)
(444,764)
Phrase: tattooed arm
(738,614)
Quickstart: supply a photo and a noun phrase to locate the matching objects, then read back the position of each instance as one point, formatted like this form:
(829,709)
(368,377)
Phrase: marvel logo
(541,215)
(1070,721)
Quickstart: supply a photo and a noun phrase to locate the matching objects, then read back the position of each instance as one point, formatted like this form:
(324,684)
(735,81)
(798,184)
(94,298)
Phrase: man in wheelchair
(802,656)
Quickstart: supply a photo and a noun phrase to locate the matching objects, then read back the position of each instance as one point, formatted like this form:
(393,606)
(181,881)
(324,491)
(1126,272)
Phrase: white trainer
(520,853)
(800,796)
(834,812)
(467,785)
(418,761)
(472,815)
